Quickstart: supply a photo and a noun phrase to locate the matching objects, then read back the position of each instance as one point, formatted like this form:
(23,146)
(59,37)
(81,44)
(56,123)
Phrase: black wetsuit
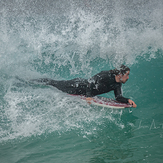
(100,83)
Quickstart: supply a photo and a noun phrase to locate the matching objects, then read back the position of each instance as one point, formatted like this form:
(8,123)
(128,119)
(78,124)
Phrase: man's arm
(120,98)
(118,95)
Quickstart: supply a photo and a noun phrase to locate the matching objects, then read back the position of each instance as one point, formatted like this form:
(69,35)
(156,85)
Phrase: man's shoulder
(118,85)
(108,73)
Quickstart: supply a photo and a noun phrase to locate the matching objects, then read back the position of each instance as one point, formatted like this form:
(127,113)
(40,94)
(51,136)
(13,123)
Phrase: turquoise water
(68,39)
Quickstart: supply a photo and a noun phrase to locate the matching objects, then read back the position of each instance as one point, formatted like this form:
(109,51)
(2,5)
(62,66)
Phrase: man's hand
(89,99)
(132,103)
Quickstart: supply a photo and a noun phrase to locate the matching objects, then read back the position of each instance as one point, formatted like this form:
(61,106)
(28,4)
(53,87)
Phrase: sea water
(62,40)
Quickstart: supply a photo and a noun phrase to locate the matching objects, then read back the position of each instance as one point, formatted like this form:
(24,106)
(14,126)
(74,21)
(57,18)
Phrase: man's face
(125,77)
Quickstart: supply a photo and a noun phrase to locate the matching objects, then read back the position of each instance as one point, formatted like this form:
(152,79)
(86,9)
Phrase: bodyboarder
(103,82)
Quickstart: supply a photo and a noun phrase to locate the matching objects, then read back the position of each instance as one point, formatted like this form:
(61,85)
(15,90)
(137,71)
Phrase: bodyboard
(106,102)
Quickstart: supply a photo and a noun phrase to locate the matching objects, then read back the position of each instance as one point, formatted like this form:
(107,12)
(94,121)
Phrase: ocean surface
(62,40)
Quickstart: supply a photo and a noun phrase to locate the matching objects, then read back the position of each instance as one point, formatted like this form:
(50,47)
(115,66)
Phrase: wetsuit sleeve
(118,95)
(89,90)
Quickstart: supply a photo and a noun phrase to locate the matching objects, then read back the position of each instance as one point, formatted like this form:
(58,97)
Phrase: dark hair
(122,70)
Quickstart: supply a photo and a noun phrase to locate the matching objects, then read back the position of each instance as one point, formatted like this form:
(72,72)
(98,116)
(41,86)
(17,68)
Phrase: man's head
(123,73)
(125,77)
(123,69)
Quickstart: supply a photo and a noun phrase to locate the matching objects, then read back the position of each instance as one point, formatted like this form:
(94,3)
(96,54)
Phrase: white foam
(33,112)
(126,32)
